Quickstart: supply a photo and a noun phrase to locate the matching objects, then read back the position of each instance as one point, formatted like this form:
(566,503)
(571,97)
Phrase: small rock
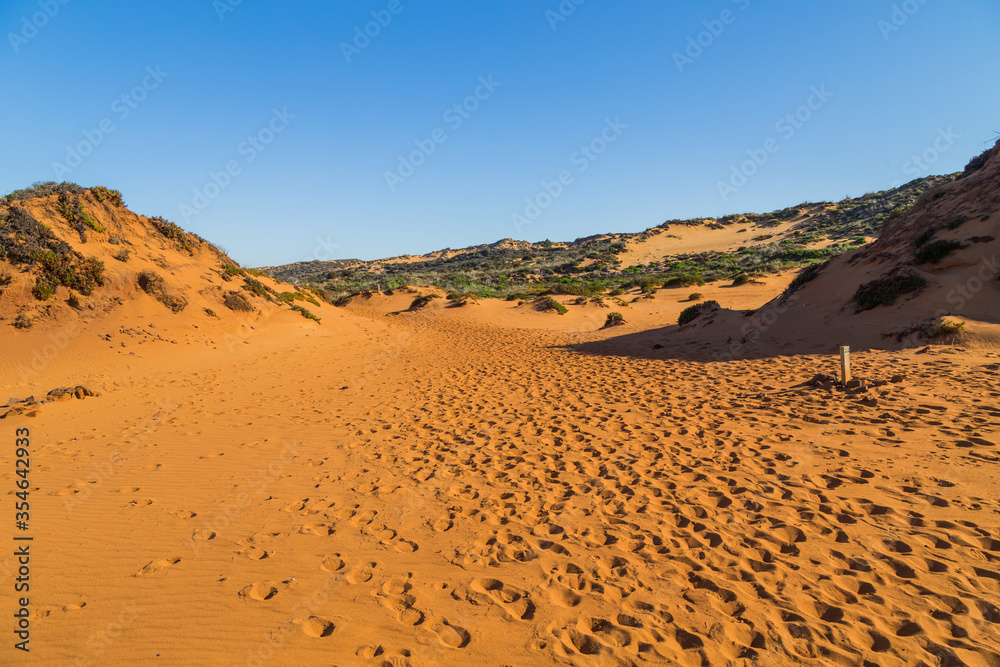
(897,378)
(853,384)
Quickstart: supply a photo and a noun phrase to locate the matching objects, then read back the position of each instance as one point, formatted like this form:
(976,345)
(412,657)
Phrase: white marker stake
(845,364)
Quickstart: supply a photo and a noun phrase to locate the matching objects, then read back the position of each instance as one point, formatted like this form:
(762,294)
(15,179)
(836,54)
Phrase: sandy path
(457,492)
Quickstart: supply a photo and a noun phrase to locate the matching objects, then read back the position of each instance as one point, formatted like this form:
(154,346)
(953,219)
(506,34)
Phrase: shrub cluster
(885,291)
(692,313)
(932,253)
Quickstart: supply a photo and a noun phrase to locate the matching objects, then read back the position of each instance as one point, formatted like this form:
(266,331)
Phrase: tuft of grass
(305,313)
(956,223)
(102,193)
(22,322)
(255,286)
(121,255)
(741,279)
(692,313)
(614,319)
(548,303)
(885,291)
(932,253)
(950,328)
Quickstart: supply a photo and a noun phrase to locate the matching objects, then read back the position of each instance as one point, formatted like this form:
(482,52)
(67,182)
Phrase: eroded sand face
(474,486)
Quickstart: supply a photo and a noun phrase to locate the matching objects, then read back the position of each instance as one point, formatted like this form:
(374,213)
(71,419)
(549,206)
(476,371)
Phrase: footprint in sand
(317,626)
(156,566)
(331,563)
(360,574)
(443,524)
(447,634)
(511,600)
(257,554)
(260,591)
(185,514)
(320,529)
(204,535)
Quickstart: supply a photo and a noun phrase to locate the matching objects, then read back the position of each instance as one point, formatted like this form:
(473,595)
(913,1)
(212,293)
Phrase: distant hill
(675,253)
(69,251)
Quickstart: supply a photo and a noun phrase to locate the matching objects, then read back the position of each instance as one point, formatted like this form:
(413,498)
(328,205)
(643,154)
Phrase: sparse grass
(932,253)
(885,291)
(950,328)
(924,238)
(75,214)
(548,303)
(22,321)
(256,287)
(305,313)
(807,274)
(956,223)
(692,313)
(121,255)
(102,194)
(614,319)
(68,270)
(741,279)
(422,301)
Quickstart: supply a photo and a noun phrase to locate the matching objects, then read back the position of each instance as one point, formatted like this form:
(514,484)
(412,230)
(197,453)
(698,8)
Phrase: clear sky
(283,132)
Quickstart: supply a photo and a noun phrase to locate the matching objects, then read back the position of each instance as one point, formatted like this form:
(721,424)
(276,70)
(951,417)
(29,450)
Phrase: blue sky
(276,131)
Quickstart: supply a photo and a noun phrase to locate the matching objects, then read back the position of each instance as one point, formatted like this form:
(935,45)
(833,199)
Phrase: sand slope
(440,487)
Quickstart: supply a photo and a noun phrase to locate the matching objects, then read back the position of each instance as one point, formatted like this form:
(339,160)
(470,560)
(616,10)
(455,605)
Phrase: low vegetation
(885,291)
(614,319)
(950,328)
(520,271)
(691,313)
(934,252)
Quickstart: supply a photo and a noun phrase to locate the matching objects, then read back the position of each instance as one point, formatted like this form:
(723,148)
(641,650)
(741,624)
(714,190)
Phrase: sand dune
(495,485)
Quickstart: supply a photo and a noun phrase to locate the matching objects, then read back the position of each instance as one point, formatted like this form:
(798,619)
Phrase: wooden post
(845,364)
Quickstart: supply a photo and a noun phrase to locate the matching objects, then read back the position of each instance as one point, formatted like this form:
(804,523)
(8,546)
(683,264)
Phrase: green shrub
(689,280)
(741,279)
(121,255)
(885,291)
(305,313)
(548,303)
(618,291)
(807,274)
(932,253)
(956,223)
(695,296)
(949,328)
(43,289)
(102,193)
(691,313)
(255,286)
